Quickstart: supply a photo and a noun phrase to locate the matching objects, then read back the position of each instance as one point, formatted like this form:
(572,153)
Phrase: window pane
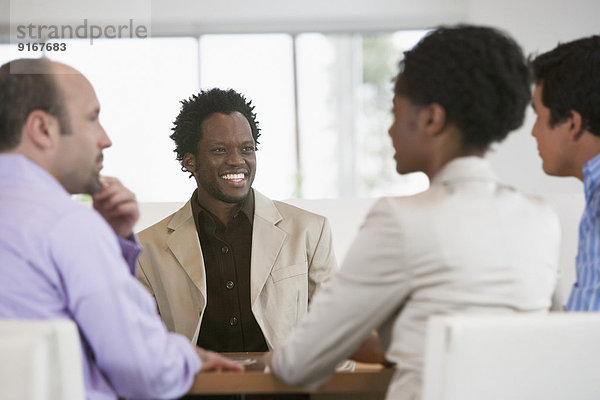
(261,68)
(326,91)
(139,83)
(344,84)
(376,167)
(345,100)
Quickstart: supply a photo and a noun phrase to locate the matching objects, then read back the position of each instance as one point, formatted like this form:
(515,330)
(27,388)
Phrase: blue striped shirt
(585,295)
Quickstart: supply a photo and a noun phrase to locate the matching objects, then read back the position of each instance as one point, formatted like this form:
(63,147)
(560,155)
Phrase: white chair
(517,357)
(40,360)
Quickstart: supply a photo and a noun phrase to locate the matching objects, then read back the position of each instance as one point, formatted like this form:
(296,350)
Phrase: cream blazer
(292,255)
(467,245)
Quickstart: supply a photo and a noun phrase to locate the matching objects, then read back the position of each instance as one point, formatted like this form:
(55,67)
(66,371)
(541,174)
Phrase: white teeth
(233,177)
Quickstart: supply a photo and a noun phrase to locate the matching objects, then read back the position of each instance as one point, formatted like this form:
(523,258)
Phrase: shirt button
(224,249)
(233,321)
(229,285)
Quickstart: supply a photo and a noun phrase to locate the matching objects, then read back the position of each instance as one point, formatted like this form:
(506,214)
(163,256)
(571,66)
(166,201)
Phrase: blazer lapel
(267,241)
(185,246)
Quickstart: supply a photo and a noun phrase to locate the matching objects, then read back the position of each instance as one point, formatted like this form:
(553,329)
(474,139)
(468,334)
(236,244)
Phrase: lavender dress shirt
(59,259)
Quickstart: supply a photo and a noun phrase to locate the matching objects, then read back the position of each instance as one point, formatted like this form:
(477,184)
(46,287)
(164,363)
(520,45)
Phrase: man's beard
(215,192)
(94,185)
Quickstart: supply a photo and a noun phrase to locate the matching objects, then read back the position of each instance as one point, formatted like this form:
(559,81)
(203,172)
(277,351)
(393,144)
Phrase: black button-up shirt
(228,324)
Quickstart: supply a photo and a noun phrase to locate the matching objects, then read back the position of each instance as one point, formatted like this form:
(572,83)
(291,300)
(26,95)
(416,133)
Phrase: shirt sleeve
(323,262)
(115,314)
(130,250)
(368,289)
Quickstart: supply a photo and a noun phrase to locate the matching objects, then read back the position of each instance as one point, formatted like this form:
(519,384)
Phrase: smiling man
(232,269)
(567,103)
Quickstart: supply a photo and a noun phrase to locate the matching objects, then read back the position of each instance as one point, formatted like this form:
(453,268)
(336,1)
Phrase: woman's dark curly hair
(478,74)
(187,129)
(570,79)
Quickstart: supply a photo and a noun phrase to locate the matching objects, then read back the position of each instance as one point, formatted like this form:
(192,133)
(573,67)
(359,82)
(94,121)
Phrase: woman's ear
(433,119)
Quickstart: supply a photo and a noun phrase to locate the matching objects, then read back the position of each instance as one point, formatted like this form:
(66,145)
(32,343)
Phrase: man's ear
(189,162)
(432,119)
(41,129)
(575,125)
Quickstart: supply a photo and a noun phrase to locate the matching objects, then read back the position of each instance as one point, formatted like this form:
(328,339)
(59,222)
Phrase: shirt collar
(591,176)
(19,167)
(246,207)
(465,168)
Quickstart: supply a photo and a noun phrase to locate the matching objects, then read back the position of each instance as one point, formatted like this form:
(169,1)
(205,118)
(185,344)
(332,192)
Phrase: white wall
(197,16)
(538,26)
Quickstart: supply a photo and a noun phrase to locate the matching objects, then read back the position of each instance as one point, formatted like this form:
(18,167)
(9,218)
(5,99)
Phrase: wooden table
(365,382)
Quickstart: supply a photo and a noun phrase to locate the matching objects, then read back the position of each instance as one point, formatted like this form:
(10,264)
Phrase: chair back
(516,357)
(40,360)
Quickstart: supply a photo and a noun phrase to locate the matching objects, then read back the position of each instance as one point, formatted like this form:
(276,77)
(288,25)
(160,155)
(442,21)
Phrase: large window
(139,84)
(323,102)
(345,100)
(260,67)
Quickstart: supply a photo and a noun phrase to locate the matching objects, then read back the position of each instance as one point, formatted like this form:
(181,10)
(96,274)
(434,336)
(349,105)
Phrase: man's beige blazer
(292,255)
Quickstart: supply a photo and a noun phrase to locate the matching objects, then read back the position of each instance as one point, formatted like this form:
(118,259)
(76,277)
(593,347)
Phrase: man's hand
(213,362)
(117,205)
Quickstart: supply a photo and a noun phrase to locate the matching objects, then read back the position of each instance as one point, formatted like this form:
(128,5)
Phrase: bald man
(63,260)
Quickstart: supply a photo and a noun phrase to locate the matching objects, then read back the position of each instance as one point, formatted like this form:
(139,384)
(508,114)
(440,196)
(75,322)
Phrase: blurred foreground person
(60,259)
(469,244)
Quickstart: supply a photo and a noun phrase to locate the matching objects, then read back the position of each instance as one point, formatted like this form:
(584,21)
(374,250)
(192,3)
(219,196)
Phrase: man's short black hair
(479,76)
(570,79)
(27,84)
(187,130)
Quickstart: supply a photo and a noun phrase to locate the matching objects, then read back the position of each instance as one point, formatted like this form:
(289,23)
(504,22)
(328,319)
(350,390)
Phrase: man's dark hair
(27,84)
(187,130)
(479,76)
(570,79)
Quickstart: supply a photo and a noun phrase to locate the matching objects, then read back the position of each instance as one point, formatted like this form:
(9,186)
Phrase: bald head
(49,114)
(73,88)
(27,85)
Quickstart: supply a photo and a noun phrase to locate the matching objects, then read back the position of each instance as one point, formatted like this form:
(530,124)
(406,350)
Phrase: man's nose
(104,139)
(235,158)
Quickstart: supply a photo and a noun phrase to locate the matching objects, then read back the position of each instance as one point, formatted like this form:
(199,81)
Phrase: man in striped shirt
(567,103)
